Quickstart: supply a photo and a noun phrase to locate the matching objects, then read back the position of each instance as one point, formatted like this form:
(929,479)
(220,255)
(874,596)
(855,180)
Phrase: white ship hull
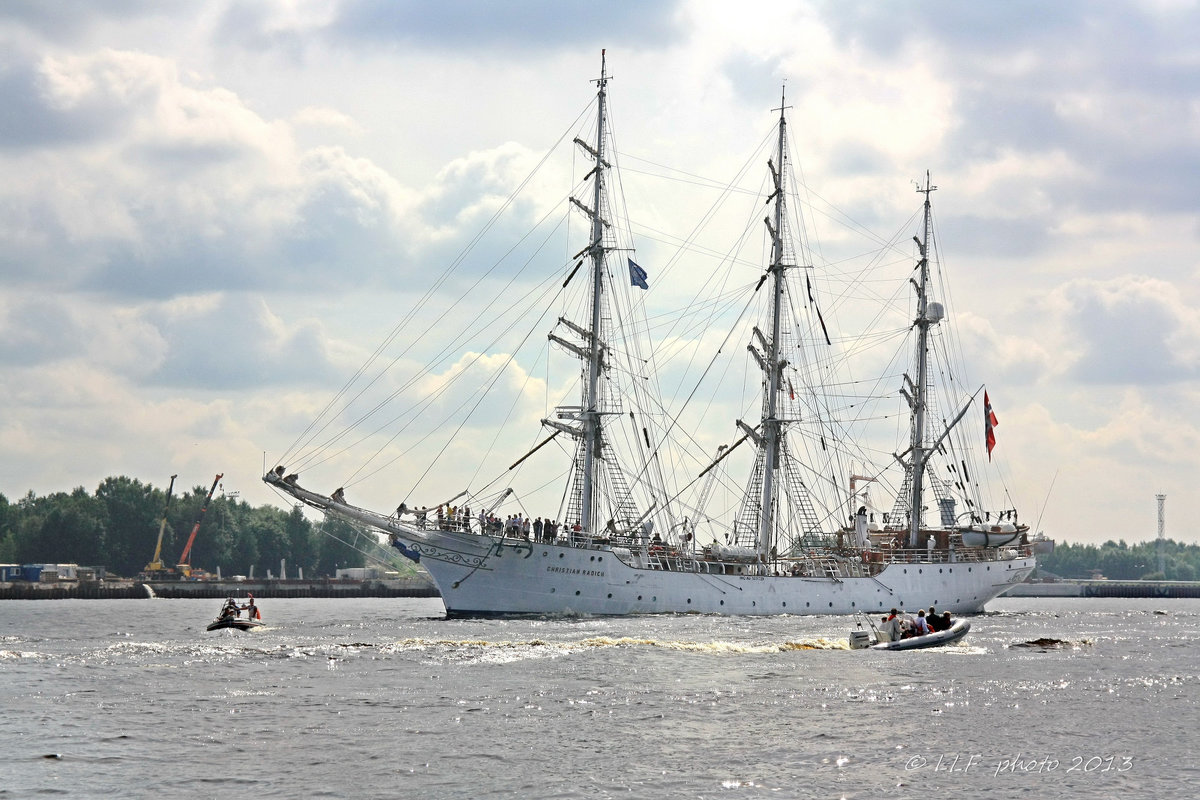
(481,575)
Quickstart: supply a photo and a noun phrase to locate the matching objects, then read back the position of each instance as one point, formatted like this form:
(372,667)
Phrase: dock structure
(140,590)
(1106,588)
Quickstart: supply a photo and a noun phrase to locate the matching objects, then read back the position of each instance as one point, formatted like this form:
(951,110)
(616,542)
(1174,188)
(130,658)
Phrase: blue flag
(637,276)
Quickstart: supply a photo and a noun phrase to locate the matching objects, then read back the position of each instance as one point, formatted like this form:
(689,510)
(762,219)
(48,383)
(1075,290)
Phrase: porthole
(560,555)
(577,593)
(785,605)
(639,597)
(689,601)
(610,595)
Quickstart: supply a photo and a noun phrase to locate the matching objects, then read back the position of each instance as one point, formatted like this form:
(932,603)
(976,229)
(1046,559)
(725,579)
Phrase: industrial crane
(184,566)
(156,565)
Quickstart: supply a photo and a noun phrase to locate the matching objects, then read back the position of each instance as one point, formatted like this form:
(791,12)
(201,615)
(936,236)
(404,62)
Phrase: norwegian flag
(989,423)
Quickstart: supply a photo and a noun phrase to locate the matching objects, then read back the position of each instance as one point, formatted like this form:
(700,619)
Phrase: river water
(383,698)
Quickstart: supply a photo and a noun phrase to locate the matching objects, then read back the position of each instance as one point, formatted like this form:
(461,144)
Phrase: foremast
(588,418)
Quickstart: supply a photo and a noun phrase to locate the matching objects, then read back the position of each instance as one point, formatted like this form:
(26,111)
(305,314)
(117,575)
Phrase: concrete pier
(140,590)
(1089,588)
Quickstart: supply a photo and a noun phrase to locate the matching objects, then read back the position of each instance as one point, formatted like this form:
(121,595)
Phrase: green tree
(65,529)
(338,548)
(267,527)
(134,510)
(302,542)
(8,536)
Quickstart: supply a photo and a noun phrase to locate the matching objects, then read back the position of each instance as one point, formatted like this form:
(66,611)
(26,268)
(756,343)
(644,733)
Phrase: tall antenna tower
(1162,532)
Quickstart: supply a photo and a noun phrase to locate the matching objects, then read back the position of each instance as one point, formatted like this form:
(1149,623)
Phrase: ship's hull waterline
(484,576)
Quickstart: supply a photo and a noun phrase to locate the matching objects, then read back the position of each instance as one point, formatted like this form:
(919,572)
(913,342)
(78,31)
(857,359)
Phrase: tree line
(117,527)
(1121,561)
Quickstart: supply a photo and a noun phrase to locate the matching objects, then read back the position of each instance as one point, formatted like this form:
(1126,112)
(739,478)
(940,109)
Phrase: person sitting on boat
(251,609)
(921,627)
(946,622)
(933,620)
(891,626)
(339,495)
(230,610)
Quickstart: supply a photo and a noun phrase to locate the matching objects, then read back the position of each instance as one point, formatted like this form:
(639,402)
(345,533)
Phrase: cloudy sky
(210,209)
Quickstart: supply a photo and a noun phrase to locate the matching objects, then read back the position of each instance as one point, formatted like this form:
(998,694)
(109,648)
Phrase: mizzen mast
(928,315)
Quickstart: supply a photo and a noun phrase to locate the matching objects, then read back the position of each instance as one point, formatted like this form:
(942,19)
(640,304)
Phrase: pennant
(989,424)
(637,276)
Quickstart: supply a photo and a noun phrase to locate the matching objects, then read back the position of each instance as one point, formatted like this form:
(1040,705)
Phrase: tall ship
(782,516)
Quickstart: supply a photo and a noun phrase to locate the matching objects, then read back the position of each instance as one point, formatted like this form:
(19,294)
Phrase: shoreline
(1106,588)
(272,589)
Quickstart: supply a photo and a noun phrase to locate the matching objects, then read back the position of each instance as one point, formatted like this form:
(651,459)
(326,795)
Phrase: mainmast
(770,425)
(919,400)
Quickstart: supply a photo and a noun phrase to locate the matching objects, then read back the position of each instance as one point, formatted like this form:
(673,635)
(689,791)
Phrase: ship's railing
(954,556)
(835,564)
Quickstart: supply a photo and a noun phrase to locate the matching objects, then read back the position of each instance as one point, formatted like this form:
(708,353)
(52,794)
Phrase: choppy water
(385,698)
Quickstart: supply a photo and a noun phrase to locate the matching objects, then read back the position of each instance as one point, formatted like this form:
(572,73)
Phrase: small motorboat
(231,616)
(241,623)
(957,630)
(861,638)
